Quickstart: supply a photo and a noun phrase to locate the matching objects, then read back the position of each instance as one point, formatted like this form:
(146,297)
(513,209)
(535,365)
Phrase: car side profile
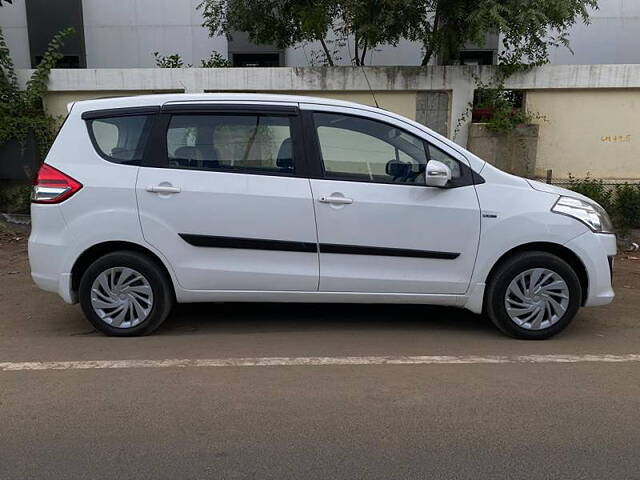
(146,201)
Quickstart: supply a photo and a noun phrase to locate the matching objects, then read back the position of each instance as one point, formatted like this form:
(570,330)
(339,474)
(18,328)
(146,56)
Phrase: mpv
(147,201)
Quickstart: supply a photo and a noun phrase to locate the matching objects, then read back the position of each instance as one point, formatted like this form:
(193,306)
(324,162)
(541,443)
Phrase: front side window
(437,154)
(234,142)
(356,148)
(121,139)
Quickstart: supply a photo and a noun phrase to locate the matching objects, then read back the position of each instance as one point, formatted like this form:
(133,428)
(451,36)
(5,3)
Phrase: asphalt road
(545,420)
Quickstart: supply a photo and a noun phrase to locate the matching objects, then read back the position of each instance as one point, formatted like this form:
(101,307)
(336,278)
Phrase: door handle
(336,200)
(163,189)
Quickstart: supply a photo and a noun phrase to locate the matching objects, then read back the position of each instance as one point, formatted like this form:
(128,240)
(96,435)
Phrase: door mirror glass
(438,174)
(403,171)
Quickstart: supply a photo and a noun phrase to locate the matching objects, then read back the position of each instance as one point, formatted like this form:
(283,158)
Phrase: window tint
(355,148)
(121,139)
(231,142)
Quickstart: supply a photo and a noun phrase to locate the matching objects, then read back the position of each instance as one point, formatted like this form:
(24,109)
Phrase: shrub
(15,197)
(593,188)
(622,201)
(215,60)
(22,111)
(169,61)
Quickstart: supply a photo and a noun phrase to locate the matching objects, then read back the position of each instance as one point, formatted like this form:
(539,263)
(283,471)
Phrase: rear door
(380,228)
(219,196)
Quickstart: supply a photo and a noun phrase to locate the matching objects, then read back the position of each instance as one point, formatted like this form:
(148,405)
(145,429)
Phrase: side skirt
(193,296)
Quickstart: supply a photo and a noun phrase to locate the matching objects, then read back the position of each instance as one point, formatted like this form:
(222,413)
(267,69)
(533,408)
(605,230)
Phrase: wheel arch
(98,250)
(561,251)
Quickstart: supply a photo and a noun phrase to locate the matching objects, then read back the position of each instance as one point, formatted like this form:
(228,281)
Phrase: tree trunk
(364,52)
(327,54)
(356,57)
(430,44)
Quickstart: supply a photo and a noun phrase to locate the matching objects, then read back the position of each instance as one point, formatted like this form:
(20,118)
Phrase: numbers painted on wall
(615,138)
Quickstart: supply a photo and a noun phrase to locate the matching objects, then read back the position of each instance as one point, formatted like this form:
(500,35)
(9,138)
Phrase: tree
(529,28)
(285,23)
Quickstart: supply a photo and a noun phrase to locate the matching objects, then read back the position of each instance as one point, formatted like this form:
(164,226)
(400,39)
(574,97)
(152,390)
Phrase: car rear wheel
(533,295)
(125,294)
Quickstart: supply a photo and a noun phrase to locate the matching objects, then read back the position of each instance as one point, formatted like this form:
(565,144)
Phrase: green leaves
(22,111)
(169,61)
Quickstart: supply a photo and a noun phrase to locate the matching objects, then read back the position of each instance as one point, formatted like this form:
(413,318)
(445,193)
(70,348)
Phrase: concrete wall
(13,20)
(588,131)
(125,33)
(611,37)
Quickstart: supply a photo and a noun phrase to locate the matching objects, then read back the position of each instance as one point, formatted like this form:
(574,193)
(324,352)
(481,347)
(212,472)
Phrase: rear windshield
(121,139)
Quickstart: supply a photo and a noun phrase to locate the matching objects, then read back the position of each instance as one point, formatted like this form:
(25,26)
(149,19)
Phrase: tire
(509,287)
(129,282)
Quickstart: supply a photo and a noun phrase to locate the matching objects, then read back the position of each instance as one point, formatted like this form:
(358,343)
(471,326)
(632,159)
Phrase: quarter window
(121,139)
(260,143)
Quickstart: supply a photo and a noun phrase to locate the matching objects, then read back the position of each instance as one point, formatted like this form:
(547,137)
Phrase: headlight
(591,214)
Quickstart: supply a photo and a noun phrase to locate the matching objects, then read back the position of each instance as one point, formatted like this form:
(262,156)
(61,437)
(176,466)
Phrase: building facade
(126,33)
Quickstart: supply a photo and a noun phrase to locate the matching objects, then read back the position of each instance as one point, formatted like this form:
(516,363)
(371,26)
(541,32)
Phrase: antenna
(369,85)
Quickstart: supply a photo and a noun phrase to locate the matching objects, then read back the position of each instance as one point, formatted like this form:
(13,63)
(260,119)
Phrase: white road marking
(317,361)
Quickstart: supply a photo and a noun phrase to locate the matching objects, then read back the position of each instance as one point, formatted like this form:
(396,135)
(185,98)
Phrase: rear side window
(259,143)
(121,139)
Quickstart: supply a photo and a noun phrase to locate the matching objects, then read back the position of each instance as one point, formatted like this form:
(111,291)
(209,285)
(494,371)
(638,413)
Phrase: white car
(147,201)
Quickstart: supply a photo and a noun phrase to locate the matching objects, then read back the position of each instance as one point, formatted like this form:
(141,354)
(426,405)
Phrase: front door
(222,202)
(380,229)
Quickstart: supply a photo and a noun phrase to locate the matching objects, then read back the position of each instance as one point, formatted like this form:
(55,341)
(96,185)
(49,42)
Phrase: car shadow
(243,318)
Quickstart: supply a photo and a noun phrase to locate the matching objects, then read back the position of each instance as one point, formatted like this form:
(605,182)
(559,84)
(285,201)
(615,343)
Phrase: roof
(162,99)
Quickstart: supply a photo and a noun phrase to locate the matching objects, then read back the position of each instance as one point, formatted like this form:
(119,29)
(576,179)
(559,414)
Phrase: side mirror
(437,175)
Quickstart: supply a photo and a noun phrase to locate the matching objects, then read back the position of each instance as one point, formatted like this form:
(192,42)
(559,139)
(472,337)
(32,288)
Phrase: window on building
(44,21)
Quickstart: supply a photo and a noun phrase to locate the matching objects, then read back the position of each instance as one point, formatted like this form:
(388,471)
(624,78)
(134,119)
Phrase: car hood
(554,190)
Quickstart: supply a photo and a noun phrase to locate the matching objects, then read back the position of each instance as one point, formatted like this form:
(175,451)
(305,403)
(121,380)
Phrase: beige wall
(588,131)
(56,102)
(402,103)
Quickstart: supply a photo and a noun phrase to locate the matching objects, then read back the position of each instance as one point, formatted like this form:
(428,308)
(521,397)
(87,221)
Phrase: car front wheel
(533,295)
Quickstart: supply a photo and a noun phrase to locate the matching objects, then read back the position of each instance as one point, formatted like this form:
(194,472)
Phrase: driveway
(271,391)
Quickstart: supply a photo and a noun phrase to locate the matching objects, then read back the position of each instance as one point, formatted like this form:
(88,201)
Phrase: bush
(169,61)
(215,60)
(622,202)
(15,197)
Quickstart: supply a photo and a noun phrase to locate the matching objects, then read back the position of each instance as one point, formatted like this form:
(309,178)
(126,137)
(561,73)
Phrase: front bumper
(596,251)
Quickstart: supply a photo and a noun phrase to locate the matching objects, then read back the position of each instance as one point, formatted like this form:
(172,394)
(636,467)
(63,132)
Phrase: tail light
(53,186)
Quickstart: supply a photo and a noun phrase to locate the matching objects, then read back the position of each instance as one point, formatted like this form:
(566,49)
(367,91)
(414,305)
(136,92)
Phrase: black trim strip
(308,247)
(267,109)
(385,251)
(120,112)
(248,243)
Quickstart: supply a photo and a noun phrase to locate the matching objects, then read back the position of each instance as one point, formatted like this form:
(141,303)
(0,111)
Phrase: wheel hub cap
(121,297)
(537,299)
